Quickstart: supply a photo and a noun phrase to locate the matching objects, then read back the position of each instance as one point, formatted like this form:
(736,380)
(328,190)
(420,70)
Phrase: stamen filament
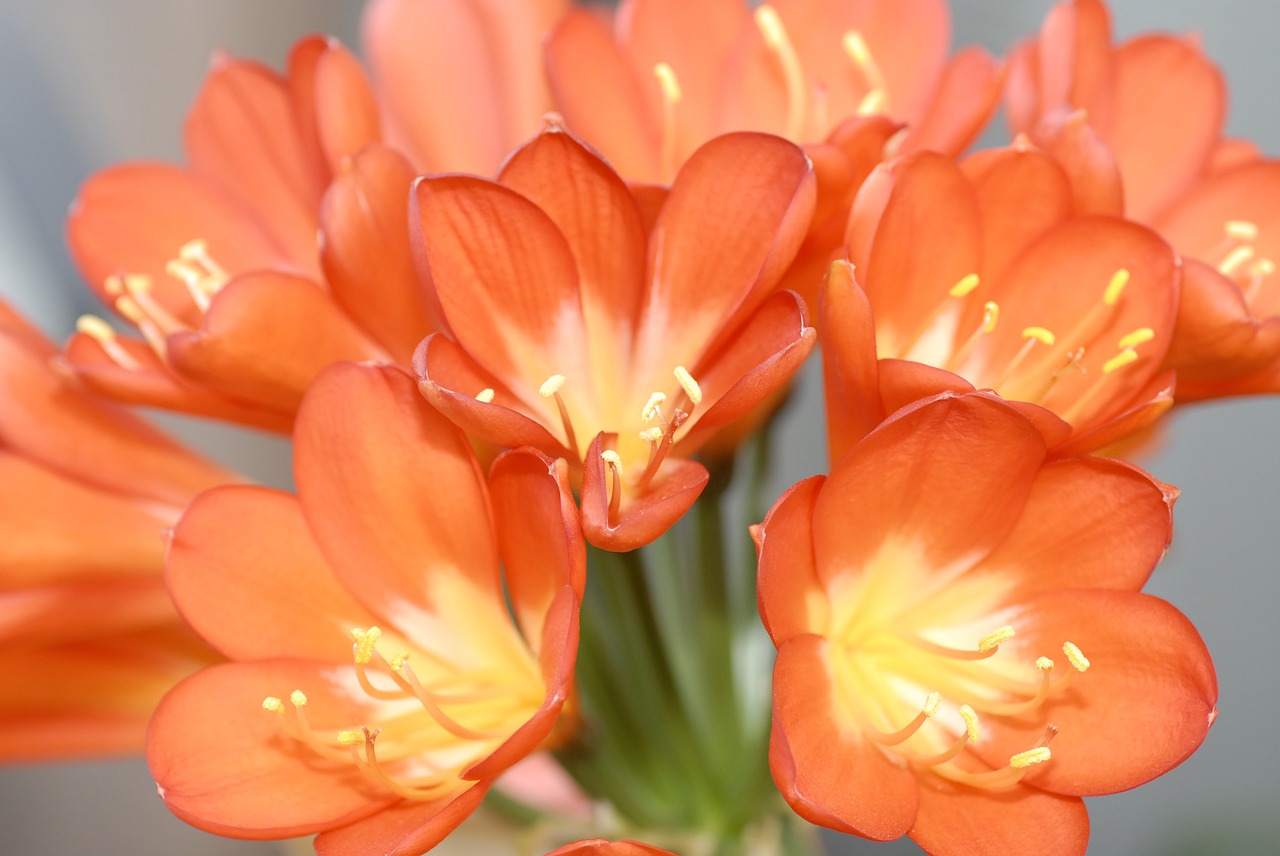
(671,96)
(904,733)
(551,389)
(100,331)
(614,463)
(776,39)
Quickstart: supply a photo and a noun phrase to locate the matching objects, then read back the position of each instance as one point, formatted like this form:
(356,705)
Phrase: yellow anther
(1040,334)
(1234,259)
(688,384)
(551,385)
(872,103)
(137,282)
(1241,230)
(297,698)
(273,704)
(966,284)
(996,638)
(1078,660)
(652,435)
(1119,361)
(1115,287)
(113,285)
(1022,760)
(129,308)
(775,35)
(970,723)
(931,704)
(95,328)
(365,640)
(667,80)
(485,396)
(351,738)
(398,661)
(651,408)
(990,315)
(1138,337)
(197,249)
(1262,267)
(856,47)
(1044,664)
(612,459)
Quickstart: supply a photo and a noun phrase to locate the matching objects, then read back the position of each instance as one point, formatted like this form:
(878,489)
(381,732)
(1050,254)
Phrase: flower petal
(407,829)
(826,770)
(265,593)
(967,95)
(788,575)
(1018,822)
(601,847)
(850,369)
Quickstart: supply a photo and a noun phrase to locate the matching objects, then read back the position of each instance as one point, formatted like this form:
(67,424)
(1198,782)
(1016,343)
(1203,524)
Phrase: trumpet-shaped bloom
(673,75)
(987,276)
(963,650)
(601,847)
(1155,106)
(461,82)
(379,680)
(579,322)
(90,639)
(217,263)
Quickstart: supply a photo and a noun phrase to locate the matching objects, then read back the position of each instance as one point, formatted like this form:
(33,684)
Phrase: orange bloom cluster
(497,333)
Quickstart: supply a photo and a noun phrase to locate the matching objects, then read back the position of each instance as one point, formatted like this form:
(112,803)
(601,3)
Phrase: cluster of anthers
(957,673)
(132,296)
(1059,354)
(1238,259)
(428,760)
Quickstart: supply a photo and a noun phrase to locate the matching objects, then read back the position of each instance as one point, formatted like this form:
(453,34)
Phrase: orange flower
(461,82)
(217,263)
(972,655)
(984,276)
(1155,107)
(90,639)
(574,326)
(389,743)
(601,847)
(673,75)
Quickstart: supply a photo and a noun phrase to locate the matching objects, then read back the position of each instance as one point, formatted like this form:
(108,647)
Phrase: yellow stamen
(1234,260)
(485,396)
(551,389)
(652,435)
(1119,361)
(971,729)
(776,39)
(995,638)
(273,705)
(1039,334)
(1241,230)
(931,704)
(855,47)
(688,384)
(1138,337)
(966,284)
(100,331)
(297,698)
(1022,760)
(1075,656)
(652,408)
(614,463)
(351,738)
(671,95)
(990,316)
(365,640)
(551,385)
(398,661)
(1115,287)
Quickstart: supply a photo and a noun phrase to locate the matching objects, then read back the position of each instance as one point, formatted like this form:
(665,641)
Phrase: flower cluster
(518,295)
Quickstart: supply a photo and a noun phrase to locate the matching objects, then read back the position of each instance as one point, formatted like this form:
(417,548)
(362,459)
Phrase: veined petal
(827,771)
(966,97)
(1018,822)
(407,829)
(1147,665)
(222,764)
(265,593)
(333,101)
(1096,185)
(265,336)
(364,222)
(393,497)
(504,277)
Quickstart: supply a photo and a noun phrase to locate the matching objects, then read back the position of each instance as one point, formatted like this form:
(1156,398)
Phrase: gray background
(83,85)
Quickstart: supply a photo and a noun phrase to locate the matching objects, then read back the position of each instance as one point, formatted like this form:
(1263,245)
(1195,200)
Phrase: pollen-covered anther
(652,435)
(1241,230)
(971,729)
(965,285)
(271,704)
(1039,334)
(298,698)
(667,81)
(995,639)
(397,663)
(653,407)
(102,333)
(671,95)
(931,704)
(351,738)
(1076,657)
(1030,758)
(876,98)
(1138,337)
(551,389)
(1115,287)
(365,640)
(688,384)
(990,317)
(1119,361)
(614,463)
(485,396)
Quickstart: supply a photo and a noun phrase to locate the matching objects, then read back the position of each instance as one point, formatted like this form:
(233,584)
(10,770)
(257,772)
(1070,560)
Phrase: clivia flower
(985,276)
(576,323)
(90,639)
(384,669)
(601,847)
(1154,107)
(963,650)
(217,263)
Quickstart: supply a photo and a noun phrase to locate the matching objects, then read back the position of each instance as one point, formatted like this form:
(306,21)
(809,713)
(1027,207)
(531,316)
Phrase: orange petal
(406,829)
(735,216)
(641,518)
(1096,185)
(1018,822)
(602,97)
(945,478)
(227,766)
(598,217)
(1088,523)
(967,96)
(1216,336)
(83,610)
(391,491)
(539,534)
(264,337)
(827,772)
(364,221)
(788,575)
(505,279)
(265,593)
(1144,705)
(600,847)
(1146,406)
(241,133)
(849,364)
(133,218)
(333,100)
(904,382)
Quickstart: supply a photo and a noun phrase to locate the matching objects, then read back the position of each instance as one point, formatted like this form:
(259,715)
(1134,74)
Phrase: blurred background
(84,85)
